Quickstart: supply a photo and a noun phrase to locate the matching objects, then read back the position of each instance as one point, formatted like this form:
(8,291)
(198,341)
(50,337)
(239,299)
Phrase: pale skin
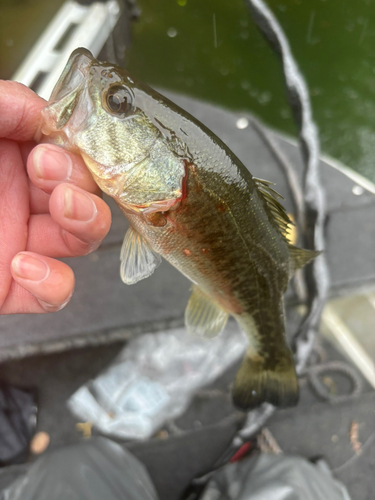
(50,207)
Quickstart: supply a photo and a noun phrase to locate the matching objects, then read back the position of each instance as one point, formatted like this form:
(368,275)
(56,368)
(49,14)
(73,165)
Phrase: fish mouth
(74,74)
(65,96)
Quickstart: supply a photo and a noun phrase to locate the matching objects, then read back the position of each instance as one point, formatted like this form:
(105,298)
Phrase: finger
(14,210)
(68,237)
(38,200)
(83,217)
(20,111)
(40,285)
(79,222)
(49,165)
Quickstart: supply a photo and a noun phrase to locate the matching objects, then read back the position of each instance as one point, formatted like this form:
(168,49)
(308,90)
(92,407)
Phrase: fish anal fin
(203,317)
(138,259)
(274,208)
(300,257)
(259,381)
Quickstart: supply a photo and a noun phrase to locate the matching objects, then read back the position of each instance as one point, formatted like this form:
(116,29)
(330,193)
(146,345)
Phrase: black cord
(314,373)
(293,184)
(310,209)
(311,212)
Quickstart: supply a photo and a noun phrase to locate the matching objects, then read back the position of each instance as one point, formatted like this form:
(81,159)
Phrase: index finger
(20,111)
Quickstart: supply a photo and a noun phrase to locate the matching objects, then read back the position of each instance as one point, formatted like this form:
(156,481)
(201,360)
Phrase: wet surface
(103,309)
(313,428)
(212,50)
(21,24)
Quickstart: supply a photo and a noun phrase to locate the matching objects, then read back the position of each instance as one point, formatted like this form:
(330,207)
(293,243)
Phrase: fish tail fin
(259,380)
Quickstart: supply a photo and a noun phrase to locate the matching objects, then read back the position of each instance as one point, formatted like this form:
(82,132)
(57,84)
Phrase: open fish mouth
(63,104)
(74,74)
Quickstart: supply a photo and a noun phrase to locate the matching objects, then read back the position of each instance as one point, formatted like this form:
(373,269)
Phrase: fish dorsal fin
(299,257)
(203,317)
(138,259)
(275,209)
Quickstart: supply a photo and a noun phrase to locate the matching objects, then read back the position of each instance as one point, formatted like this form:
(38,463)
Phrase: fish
(190,200)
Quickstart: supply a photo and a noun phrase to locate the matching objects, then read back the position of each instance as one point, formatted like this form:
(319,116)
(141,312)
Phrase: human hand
(49,208)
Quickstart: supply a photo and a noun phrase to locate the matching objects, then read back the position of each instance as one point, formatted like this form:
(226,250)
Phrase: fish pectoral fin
(203,317)
(299,257)
(138,259)
(259,381)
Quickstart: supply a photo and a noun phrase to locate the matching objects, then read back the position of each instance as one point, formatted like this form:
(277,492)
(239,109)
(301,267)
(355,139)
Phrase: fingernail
(78,206)
(30,268)
(54,307)
(52,164)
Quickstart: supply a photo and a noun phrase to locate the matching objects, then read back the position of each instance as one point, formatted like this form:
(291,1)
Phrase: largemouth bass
(188,199)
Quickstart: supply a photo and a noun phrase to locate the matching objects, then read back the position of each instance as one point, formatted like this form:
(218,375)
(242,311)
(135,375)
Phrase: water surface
(211,49)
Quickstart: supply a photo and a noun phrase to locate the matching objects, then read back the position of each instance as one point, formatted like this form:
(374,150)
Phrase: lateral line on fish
(214,195)
(257,245)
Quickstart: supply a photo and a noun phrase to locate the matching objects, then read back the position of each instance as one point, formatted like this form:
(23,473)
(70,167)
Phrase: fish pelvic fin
(138,259)
(203,317)
(300,257)
(259,381)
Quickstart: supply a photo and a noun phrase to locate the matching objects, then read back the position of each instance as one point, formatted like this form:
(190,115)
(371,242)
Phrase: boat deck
(59,352)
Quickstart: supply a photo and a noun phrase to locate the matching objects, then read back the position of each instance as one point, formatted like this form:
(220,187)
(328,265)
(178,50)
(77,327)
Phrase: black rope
(293,184)
(315,372)
(311,212)
(314,211)
(295,191)
(309,205)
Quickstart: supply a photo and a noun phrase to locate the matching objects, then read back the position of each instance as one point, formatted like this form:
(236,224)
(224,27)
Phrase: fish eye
(118,101)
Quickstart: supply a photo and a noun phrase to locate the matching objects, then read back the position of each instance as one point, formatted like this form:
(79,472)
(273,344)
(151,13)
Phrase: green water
(217,54)
(210,49)
(21,23)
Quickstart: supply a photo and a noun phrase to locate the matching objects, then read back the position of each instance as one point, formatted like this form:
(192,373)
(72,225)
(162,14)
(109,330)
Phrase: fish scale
(188,199)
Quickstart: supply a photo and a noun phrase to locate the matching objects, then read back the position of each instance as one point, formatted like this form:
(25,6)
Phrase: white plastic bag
(153,380)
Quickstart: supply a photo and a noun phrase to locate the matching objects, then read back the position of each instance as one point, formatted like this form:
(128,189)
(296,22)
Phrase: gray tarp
(276,477)
(98,469)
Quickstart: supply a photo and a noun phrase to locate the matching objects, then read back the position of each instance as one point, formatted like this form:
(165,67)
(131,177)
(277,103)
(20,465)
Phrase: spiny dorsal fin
(277,211)
(138,259)
(300,257)
(203,317)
